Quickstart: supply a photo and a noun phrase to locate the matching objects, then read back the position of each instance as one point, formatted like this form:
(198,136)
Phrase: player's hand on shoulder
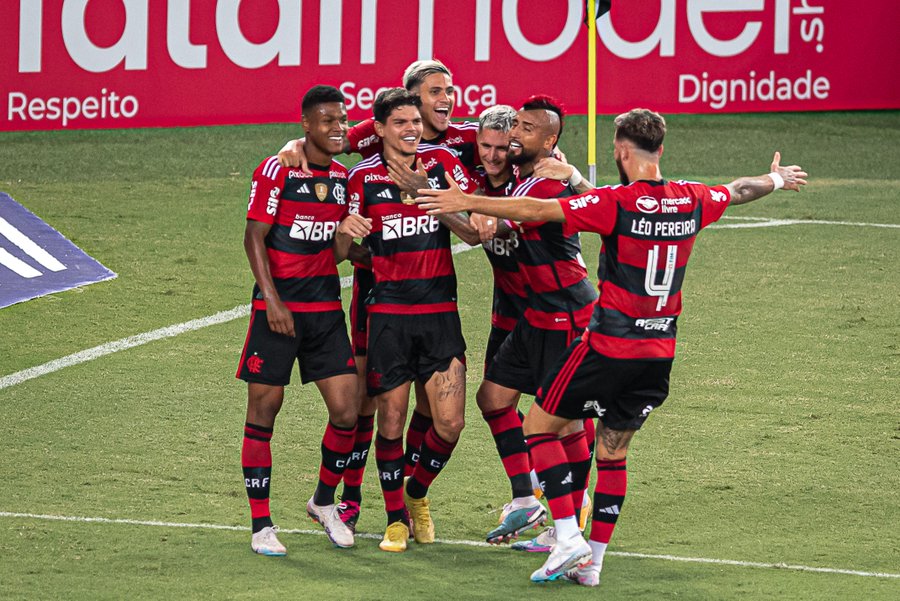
(551,168)
(355,226)
(793,175)
(293,155)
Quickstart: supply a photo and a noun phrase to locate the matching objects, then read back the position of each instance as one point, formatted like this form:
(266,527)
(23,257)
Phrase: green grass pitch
(779,444)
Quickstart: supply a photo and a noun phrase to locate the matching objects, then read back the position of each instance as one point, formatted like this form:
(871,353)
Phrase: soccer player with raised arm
(619,369)
(292,218)
(414,327)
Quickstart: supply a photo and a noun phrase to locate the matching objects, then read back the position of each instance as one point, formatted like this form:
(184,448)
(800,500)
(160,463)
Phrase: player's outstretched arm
(292,154)
(747,189)
(454,200)
(552,168)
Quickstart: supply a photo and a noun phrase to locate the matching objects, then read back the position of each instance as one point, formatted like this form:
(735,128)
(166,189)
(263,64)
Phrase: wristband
(777,180)
(576,177)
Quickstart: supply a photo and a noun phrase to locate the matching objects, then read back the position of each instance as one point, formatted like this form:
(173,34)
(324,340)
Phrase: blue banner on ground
(36,260)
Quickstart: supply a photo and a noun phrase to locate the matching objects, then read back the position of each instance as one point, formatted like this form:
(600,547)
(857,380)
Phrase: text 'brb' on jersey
(459,137)
(304,211)
(648,230)
(560,295)
(510,298)
(411,256)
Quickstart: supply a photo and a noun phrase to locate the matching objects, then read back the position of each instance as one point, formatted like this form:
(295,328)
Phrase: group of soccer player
(583,356)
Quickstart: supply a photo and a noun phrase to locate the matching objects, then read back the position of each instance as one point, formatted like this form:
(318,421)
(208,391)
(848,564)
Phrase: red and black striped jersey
(560,294)
(459,137)
(411,256)
(510,298)
(304,211)
(648,230)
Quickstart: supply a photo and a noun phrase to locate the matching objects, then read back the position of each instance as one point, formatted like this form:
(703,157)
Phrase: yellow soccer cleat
(420,516)
(395,538)
(584,515)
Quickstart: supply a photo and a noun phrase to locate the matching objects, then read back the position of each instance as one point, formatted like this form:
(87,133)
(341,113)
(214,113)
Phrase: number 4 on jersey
(662,289)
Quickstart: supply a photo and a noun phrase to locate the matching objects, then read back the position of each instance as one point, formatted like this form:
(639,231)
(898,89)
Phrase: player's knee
(449,428)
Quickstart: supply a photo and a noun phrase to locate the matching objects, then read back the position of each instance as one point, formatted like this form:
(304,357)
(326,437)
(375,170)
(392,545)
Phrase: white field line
(140,339)
(244,310)
(467,543)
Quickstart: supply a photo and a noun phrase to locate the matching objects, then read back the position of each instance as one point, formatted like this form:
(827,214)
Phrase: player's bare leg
(341,395)
(392,407)
(447,394)
(263,404)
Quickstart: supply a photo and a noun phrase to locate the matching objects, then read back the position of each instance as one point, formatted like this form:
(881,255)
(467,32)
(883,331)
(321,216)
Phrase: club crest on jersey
(321,191)
(647,204)
(339,193)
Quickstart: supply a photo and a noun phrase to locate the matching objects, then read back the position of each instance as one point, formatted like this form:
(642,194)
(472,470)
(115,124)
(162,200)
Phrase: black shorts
(411,347)
(495,339)
(321,347)
(621,392)
(363,282)
(526,355)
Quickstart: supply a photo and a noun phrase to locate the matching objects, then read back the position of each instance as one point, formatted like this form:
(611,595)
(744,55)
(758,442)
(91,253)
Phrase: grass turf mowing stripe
(467,543)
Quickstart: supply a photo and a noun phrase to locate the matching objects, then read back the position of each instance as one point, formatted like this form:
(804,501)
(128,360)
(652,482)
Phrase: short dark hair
(548,103)
(320,95)
(393,98)
(645,128)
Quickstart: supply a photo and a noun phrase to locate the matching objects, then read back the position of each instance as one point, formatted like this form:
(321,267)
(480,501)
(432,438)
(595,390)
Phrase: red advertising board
(79,64)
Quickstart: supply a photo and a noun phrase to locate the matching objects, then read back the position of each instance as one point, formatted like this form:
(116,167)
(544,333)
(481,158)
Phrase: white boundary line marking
(467,543)
(244,310)
(140,339)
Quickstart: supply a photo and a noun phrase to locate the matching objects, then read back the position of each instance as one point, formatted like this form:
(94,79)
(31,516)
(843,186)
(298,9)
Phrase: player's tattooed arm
(280,318)
(459,225)
(552,168)
(747,189)
(406,179)
(353,226)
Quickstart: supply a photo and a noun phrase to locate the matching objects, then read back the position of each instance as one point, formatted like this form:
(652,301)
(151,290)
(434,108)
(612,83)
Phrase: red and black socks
(256,460)
(337,445)
(356,466)
(434,456)
(415,434)
(506,428)
(389,459)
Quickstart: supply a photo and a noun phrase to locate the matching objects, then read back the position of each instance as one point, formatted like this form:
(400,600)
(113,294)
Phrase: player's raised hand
(355,226)
(551,168)
(408,180)
(437,202)
(293,155)
(794,176)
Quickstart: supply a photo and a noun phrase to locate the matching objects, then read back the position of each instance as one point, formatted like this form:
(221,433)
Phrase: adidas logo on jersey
(304,189)
(385,194)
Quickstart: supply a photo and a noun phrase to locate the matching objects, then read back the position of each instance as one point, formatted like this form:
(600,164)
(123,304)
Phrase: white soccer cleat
(329,516)
(588,575)
(265,542)
(566,555)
